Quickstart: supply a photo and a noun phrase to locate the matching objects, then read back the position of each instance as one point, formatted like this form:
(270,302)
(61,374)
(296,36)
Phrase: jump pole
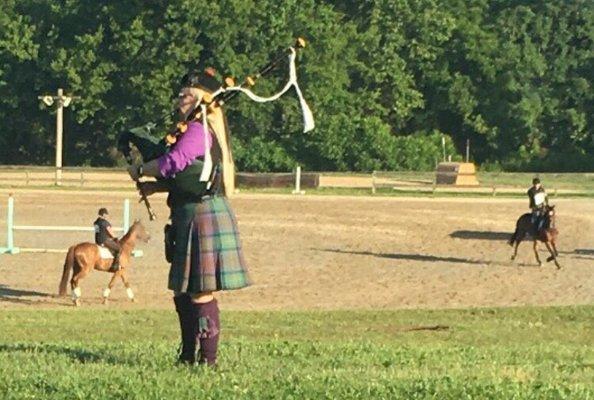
(11,227)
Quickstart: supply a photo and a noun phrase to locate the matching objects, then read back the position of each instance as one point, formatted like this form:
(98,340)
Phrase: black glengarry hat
(205,80)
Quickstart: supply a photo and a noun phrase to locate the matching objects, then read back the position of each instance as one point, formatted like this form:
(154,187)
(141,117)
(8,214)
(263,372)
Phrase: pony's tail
(68,265)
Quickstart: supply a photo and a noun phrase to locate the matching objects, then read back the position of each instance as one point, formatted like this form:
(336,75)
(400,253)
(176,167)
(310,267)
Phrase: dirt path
(325,253)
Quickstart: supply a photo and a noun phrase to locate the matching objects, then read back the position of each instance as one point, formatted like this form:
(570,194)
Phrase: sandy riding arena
(323,252)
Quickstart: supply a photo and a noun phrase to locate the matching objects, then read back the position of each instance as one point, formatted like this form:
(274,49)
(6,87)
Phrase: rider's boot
(115,265)
(540,224)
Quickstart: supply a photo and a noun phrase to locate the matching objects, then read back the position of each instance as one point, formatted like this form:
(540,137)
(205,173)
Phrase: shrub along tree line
(386,79)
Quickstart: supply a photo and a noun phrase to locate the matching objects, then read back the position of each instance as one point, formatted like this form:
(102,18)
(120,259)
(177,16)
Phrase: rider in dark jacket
(538,202)
(104,237)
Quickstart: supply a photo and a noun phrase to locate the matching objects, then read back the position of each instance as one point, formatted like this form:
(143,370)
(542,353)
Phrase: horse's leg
(554,248)
(74,283)
(553,256)
(129,291)
(536,253)
(513,257)
(107,290)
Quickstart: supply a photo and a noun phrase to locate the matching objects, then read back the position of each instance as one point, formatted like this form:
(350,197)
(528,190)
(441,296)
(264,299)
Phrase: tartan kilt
(207,255)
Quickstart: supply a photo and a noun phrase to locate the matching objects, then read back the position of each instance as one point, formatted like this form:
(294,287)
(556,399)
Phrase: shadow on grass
(80,355)
(112,355)
(481,235)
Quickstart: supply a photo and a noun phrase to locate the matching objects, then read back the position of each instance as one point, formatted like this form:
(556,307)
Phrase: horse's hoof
(551,258)
(513,258)
(104,302)
(76,303)
(133,300)
(558,265)
(539,264)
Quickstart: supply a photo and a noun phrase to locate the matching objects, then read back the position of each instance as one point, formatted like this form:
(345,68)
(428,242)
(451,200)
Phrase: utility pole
(467,150)
(61,102)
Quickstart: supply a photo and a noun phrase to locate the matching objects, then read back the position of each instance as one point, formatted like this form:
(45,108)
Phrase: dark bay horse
(548,234)
(82,258)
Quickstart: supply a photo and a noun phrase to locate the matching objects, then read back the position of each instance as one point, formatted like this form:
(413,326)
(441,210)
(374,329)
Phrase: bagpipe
(196,179)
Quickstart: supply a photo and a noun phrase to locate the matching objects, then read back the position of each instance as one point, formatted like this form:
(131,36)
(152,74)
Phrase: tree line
(387,80)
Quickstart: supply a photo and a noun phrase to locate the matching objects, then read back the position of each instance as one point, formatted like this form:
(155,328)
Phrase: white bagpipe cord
(308,120)
(207,169)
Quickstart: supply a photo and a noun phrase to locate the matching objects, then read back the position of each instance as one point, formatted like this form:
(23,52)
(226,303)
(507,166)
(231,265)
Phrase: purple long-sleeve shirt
(189,145)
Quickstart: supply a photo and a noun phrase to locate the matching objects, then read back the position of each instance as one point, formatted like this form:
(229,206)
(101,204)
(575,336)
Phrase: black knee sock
(188,328)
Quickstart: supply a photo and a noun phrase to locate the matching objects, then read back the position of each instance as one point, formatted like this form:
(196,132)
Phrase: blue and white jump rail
(11,228)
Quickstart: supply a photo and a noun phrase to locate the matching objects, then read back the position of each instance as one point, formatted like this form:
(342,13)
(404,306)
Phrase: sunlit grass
(446,354)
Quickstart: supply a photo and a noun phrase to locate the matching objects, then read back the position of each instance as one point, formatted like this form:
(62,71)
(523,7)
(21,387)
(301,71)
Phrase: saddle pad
(104,252)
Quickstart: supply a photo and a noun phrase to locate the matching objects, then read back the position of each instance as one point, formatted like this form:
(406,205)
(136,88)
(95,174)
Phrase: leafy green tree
(386,79)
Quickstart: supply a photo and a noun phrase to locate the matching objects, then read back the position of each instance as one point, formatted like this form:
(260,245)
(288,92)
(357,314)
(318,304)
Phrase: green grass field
(514,353)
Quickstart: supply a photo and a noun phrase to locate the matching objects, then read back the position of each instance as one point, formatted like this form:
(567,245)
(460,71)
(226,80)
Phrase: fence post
(82,178)
(9,231)
(298,181)
(373,183)
(467,150)
(9,223)
(126,226)
(126,218)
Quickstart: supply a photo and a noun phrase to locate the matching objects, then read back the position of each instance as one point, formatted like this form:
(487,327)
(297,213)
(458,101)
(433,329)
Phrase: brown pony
(548,235)
(83,257)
